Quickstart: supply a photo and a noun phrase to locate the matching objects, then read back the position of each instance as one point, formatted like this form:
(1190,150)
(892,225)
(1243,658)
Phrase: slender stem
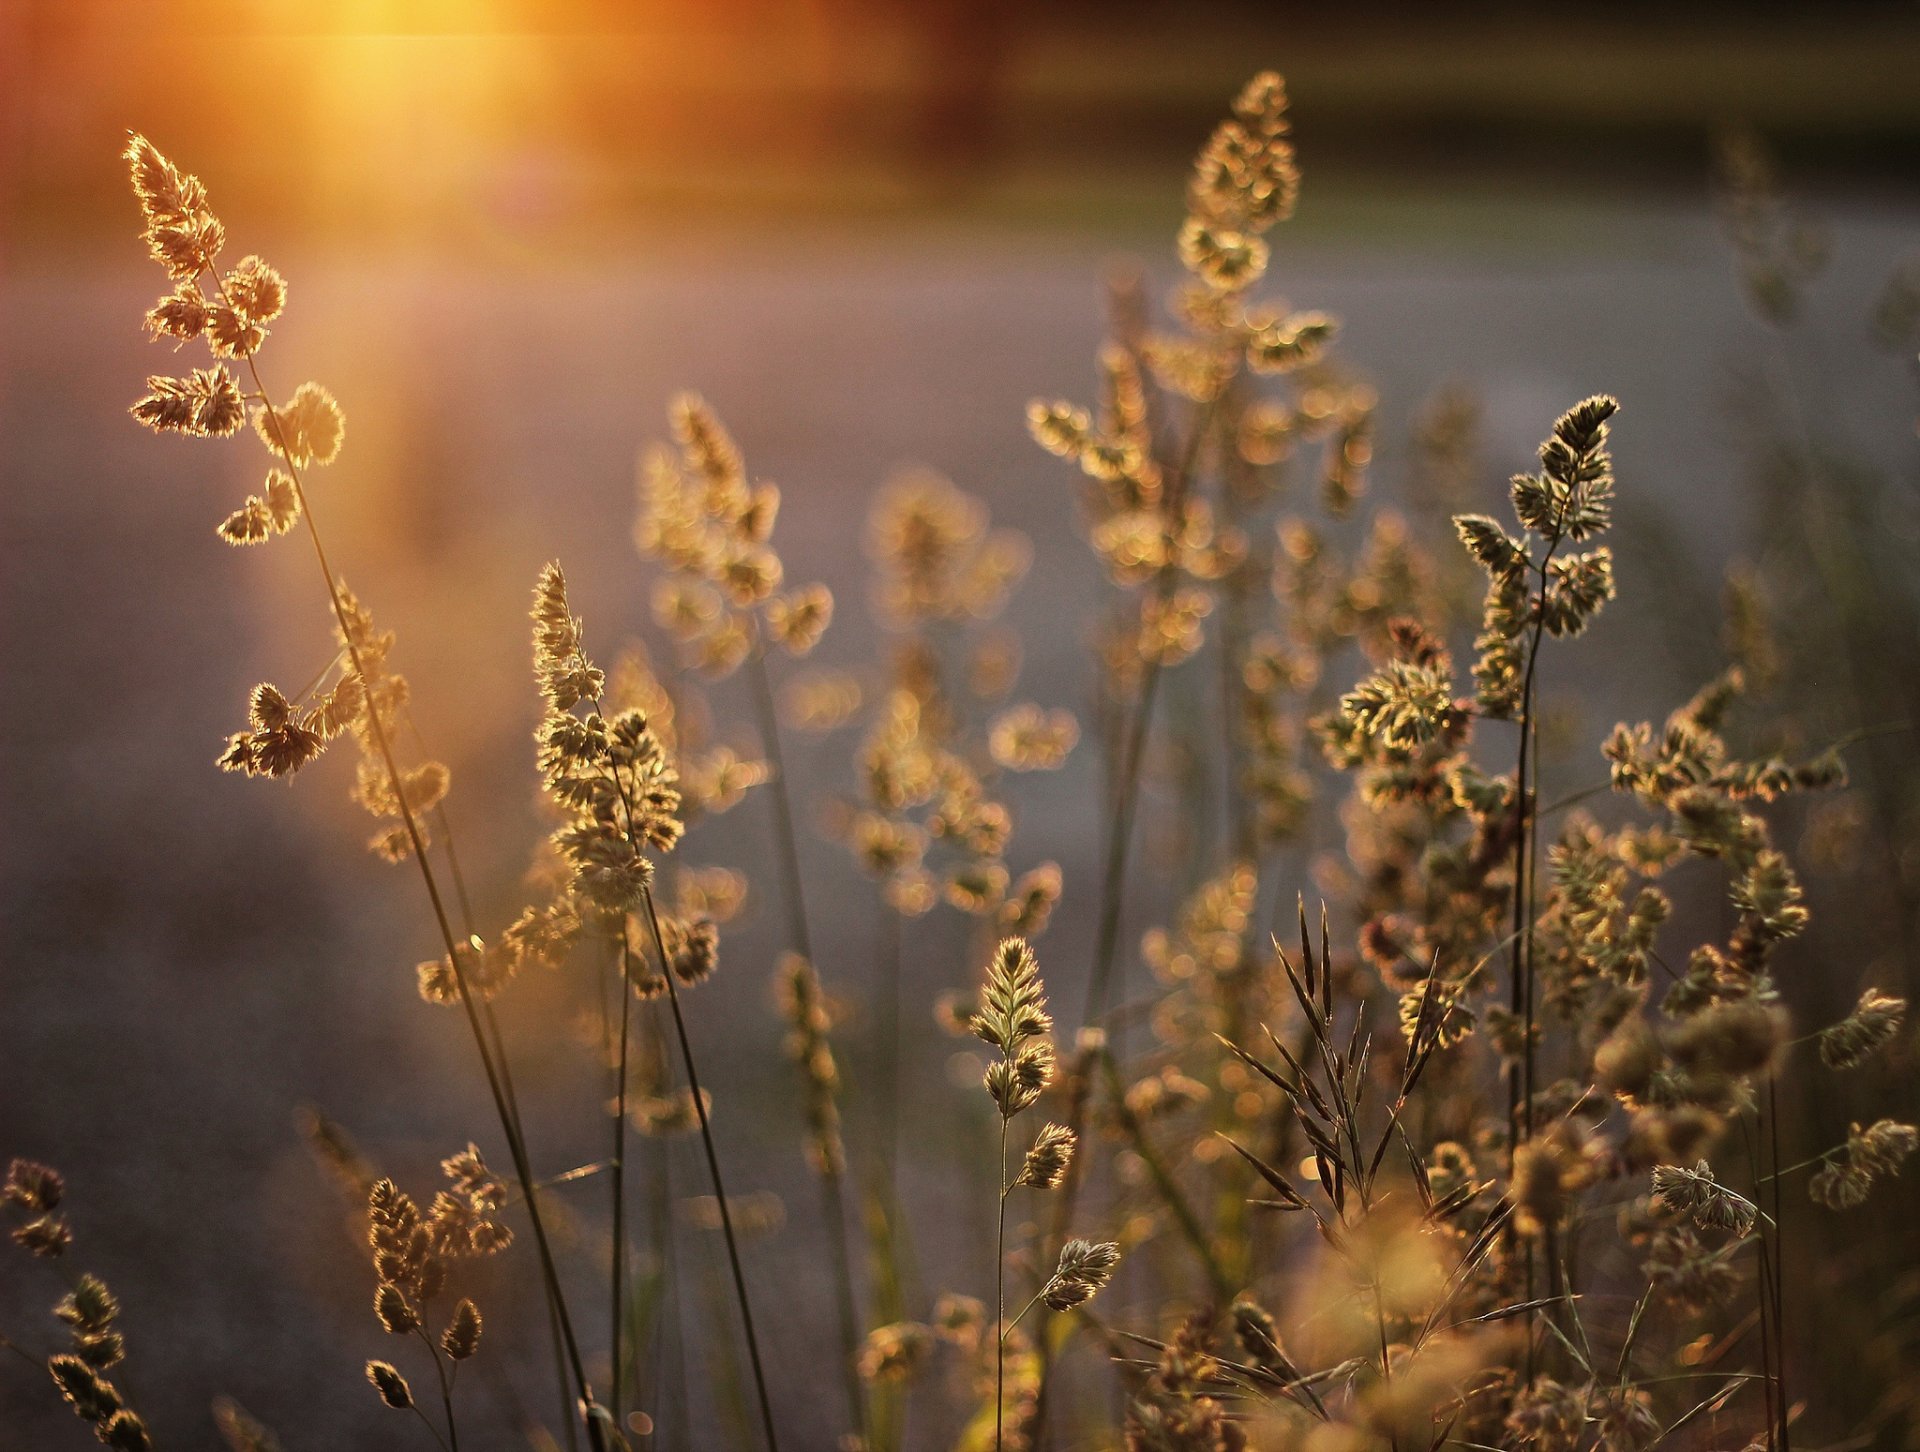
(787,842)
(833,1194)
(509,1119)
(1521,999)
(432,1431)
(499,1043)
(785,838)
(1780,1268)
(1000,1300)
(1021,1314)
(713,1171)
(619,1171)
(1120,835)
(1241,834)
(669,1336)
(446,1388)
(1386,1365)
(888,1032)
(1770,1381)
(8,1344)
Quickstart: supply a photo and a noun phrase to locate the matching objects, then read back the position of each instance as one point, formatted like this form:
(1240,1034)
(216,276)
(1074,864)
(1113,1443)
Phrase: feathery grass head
(1847,1177)
(1013,1018)
(1083,1272)
(33,1186)
(1875,1019)
(1695,1192)
(390,1384)
(1045,1165)
(612,778)
(1013,1005)
(560,664)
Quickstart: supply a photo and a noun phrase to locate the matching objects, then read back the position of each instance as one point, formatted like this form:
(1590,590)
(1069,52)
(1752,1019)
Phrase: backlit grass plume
(228,308)
(413,1256)
(619,795)
(93,1342)
(1013,1019)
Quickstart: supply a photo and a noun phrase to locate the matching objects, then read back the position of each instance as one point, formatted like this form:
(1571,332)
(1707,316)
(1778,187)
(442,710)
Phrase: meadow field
(1211,573)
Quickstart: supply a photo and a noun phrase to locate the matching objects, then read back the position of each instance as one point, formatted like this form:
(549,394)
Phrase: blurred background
(868,232)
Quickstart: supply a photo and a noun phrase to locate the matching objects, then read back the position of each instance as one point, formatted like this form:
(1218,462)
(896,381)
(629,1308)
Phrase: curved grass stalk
(832,1186)
(713,1171)
(507,1112)
(1000,1298)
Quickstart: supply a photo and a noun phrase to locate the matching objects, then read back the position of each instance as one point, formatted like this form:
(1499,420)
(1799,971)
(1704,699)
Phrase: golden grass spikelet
(306,430)
(1546,1173)
(1875,1019)
(693,947)
(1060,428)
(46,1236)
(1442,1016)
(1013,1005)
(181,315)
(1292,342)
(1084,1269)
(256,290)
(1245,177)
(33,1186)
(565,674)
(1046,1161)
(390,1384)
(1547,1416)
(278,744)
(181,233)
(1394,712)
(1847,1177)
(1170,630)
(91,1395)
(461,1339)
(1695,1192)
(395,1314)
(820,700)
(230,334)
(264,515)
(126,1431)
(1017,1081)
(470,1176)
(205,404)
(163,192)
